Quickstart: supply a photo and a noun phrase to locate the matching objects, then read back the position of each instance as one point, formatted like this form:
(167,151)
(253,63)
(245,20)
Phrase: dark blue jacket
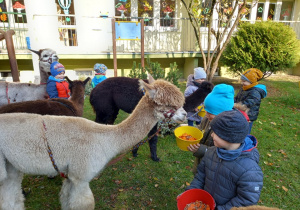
(252,99)
(232,177)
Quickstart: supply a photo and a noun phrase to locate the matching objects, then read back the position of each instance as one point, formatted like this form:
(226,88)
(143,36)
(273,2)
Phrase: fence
(161,34)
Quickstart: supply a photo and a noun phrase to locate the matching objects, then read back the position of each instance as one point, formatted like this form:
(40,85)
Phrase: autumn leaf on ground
(171,179)
(269,155)
(273,123)
(285,189)
(187,184)
(282,152)
(156,185)
(118,181)
(121,190)
(259,121)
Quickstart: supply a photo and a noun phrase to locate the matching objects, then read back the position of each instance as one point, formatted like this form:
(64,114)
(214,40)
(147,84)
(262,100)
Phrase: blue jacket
(191,88)
(97,79)
(252,99)
(232,177)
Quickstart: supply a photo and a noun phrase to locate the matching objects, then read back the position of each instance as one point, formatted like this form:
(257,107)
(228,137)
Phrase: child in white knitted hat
(192,84)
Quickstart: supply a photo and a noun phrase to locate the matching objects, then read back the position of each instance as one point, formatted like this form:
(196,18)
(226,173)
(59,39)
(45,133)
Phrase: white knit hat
(199,73)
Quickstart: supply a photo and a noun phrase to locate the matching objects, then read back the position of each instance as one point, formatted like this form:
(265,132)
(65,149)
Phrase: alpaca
(116,93)
(81,148)
(12,92)
(72,107)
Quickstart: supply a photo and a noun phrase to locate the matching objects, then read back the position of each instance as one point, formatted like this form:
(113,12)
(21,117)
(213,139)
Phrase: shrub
(268,46)
(173,75)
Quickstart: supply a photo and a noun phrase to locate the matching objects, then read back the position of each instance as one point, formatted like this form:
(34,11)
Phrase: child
(100,70)
(57,87)
(219,100)
(229,171)
(251,93)
(193,81)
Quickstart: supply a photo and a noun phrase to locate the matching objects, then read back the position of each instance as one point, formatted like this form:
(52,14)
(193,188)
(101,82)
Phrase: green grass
(140,183)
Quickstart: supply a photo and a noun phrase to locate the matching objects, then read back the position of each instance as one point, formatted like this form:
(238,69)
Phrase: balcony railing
(161,35)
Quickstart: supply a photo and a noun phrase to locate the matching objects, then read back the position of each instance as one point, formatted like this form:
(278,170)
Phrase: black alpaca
(116,93)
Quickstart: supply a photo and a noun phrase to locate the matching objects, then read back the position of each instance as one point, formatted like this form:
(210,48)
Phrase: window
(167,12)
(122,8)
(145,10)
(67,31)
(271,12)
(19,7)
(286,10)
(3,14)
(260,11)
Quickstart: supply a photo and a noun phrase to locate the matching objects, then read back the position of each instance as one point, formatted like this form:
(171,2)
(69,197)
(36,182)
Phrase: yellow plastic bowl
(201,113)
(193,131)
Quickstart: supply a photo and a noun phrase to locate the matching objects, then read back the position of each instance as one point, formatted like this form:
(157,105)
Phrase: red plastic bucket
(193,195)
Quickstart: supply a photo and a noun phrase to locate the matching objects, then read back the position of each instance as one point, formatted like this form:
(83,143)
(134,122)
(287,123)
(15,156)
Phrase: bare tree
(220,29)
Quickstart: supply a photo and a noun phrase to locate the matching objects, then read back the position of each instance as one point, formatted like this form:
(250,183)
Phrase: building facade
(81,32)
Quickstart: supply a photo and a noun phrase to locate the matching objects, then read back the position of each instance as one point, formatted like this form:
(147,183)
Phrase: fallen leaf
(285,189)
(182,186)
(187,184)
(121,190)
(155,178)
(269,155)
(273,123)
(171,179)
(156,185)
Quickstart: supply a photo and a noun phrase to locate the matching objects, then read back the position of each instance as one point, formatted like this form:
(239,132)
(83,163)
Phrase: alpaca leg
(11,197)
(65,193)
(153,144)
(80,196)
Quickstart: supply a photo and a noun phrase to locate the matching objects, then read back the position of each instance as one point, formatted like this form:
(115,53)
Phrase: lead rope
(8,100)
(51,154)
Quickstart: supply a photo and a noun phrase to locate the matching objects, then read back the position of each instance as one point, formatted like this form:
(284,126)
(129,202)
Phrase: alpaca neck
(77,99)
(132,130)
(44,74)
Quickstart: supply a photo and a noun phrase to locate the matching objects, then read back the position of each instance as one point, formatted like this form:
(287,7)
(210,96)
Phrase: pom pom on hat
(252,75)
(56,68)
(230,126)
(100,68)
(199,73)
(220,99)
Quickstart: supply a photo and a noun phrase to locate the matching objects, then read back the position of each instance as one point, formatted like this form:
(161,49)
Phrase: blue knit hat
(100,68)
(199,73)
(56,68)
(220,99)
(230,126)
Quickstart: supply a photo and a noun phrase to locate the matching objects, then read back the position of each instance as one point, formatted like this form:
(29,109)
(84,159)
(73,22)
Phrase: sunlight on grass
(140,183)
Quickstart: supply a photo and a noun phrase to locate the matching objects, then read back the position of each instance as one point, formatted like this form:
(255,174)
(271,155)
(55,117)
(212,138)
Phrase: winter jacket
(232,177)
(252,99)
(191,88)
(97,79)
(57,88)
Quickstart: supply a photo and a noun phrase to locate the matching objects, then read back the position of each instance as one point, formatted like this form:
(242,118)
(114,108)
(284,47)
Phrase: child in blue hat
(57,86)
(100,70)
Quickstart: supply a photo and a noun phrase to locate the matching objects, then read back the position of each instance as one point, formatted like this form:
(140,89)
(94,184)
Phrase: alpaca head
(46,57)
(168,99)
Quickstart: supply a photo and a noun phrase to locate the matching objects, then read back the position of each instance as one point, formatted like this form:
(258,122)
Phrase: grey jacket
(232,183)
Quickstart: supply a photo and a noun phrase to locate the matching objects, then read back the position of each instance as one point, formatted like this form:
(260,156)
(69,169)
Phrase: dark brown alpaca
(116,93)
(72,107)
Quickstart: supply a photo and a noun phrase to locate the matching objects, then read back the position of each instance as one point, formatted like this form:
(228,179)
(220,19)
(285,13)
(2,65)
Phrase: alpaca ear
(69,81)
(151,79)
(86,80)
(36,52)
(148,88)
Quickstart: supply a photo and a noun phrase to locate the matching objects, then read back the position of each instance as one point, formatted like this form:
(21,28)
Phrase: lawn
(140,183)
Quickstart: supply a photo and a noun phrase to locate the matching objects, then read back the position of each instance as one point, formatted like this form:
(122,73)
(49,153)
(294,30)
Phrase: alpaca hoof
(26,191)
(155,159)
(134,154)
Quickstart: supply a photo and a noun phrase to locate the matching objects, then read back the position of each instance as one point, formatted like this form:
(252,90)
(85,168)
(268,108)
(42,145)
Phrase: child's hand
(193,147)
(196,110)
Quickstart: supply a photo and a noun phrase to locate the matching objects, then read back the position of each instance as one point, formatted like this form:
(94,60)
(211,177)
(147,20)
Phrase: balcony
(172,35)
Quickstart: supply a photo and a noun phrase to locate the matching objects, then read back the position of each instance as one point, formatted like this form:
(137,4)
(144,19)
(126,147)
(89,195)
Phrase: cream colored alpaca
(12,92)
(81,148)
